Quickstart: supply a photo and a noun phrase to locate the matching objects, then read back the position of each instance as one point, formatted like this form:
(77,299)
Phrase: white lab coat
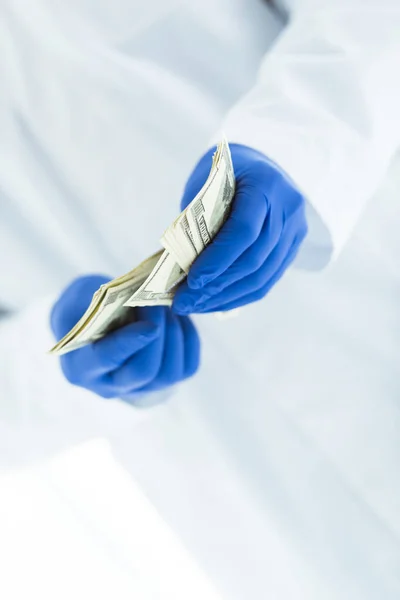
(277,465)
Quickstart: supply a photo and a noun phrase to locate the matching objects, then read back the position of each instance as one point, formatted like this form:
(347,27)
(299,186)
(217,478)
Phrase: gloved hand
(159,349)
(257,243)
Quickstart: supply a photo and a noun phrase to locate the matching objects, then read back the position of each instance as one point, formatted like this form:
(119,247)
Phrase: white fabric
(279,468)
(325,108)
(77,526)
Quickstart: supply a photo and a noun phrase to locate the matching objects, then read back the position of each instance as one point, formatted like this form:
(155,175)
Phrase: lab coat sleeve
(325,108)
(41,413)
(36,404)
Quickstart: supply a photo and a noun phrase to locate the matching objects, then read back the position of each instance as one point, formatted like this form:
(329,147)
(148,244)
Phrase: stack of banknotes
(157,278)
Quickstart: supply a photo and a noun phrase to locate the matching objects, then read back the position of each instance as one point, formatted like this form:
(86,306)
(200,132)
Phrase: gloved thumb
(198,178)
(73,302)
(117,347)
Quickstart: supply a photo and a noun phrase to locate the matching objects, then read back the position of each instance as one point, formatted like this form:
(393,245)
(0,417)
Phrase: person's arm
(325,108)
(38,407)
(42,413)
(310,144)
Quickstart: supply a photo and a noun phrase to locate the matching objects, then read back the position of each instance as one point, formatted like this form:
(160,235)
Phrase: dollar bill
(155,281)
(195,228)
(152,283)
(160,286)
(107,312)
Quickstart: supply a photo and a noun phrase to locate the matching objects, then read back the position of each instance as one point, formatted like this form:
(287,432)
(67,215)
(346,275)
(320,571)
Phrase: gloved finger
(198,178)
(191,358)
(240,231)
(173,358)
(278,226)
(91,362)
(250,261)
(259,293)
(192,347)
(73,303)
(252,282)
(247,284)
(117,347)
(172,364)
(87,366)
(141,368)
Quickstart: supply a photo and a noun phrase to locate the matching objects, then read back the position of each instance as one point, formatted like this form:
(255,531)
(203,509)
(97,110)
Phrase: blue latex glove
(257,243)
(159,349)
